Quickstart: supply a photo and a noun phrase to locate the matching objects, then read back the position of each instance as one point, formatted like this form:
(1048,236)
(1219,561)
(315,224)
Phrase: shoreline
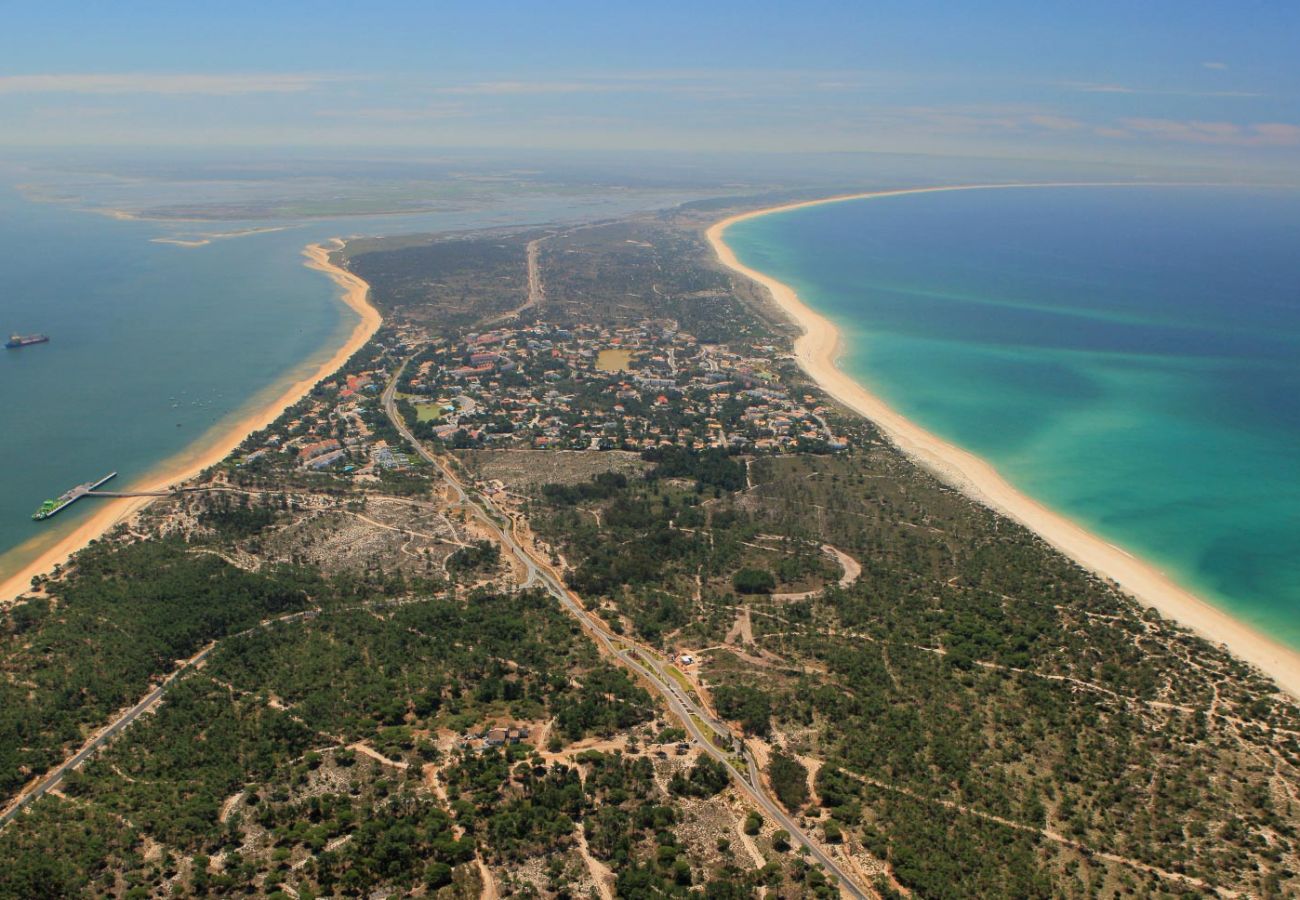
(219,442)
(817,350)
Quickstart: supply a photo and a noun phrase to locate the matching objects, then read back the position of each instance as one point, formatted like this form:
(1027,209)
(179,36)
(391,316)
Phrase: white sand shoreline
(217,444)
(817,350)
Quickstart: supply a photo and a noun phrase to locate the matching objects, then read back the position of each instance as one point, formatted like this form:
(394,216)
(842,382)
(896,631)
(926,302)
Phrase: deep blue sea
(1130,356)
(153,345)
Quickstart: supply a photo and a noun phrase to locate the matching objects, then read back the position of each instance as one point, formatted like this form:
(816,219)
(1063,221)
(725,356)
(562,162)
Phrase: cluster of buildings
(599,388)
(547,387)
(333,432)
(493,737)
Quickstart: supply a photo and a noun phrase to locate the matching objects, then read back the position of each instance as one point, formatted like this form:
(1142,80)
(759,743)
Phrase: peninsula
(571,581)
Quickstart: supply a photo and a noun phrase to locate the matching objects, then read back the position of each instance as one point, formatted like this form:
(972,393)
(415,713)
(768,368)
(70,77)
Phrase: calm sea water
(1129,356)
(153,345)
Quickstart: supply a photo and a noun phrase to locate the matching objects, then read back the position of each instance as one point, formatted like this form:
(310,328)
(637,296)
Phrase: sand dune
(817,350)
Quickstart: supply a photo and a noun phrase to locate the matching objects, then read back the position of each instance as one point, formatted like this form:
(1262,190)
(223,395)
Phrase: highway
(635,656)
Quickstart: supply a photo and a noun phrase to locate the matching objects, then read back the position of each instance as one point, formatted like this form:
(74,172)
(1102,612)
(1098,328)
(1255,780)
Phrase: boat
(26,340)
(45,510)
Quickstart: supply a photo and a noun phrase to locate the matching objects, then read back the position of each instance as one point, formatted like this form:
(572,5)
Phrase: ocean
(155,345)
(1129,356)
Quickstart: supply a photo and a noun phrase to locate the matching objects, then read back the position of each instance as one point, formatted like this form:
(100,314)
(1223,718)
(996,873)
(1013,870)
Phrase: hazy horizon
(1168,85)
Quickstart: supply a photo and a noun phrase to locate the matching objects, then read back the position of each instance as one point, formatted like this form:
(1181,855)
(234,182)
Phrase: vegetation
(753,581)
(710,468)
(102,639)
(478,555)
(987,718)
(789,779)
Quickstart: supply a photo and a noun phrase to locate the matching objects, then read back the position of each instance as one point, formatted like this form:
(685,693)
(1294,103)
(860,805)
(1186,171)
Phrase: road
(52,778)
(536,290)
(635,656)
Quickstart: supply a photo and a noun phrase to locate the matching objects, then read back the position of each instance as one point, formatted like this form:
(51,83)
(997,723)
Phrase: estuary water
(1129,356)
(154,345)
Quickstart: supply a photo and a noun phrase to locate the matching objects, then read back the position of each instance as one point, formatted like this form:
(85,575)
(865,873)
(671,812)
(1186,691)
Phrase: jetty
(90,489)
(67,498)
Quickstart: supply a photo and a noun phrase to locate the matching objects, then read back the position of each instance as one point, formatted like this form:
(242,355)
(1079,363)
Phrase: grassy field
(424,412)
(614,360)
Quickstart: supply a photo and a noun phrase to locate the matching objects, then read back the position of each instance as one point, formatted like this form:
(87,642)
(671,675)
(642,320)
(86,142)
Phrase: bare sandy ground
(218,443)
(210,236)
(817,350)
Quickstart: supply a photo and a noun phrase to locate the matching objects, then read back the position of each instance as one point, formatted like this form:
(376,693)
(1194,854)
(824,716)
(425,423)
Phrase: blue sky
(1096,81)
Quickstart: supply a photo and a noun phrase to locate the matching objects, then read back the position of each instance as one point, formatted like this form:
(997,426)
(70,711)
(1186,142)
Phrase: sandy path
(601,874)
(850,571)
(367,750)
(489,884)
(817,350)
(218,443)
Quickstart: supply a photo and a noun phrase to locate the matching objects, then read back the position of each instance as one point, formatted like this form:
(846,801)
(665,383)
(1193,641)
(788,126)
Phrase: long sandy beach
(817,351)
(218,443)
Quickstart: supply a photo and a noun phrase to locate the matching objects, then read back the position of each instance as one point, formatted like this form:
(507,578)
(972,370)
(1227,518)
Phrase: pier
(166,493)
(66,499)
(91,489)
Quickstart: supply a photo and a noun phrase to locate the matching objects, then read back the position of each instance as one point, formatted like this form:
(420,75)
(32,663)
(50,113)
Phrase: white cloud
(398,113)
(1054,122)
(505,88)
(1088,88)
(156,83)
(1259,134)
(1091,88)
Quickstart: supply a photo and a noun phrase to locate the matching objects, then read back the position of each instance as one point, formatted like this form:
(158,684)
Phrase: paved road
(59,772)
(634,656)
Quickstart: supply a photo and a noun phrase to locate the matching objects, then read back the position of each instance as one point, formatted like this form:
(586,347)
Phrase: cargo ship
(26,340)
(67,498)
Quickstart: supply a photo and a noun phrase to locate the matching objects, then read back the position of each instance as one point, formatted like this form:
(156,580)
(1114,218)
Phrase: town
(542,386)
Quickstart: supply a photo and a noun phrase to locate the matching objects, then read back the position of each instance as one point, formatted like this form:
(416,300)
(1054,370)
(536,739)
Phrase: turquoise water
(154,345)
(1129,356)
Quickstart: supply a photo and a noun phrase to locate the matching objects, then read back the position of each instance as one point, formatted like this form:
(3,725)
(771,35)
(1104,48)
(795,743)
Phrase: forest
(943,697)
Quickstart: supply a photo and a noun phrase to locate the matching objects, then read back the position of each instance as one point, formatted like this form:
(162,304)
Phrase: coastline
(817,350)
(221,441)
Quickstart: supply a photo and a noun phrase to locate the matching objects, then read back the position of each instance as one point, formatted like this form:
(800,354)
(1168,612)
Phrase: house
(498,736)
(311,451)
(327,459)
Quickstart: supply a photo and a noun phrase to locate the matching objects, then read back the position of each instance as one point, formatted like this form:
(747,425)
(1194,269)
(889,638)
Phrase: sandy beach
(817,351)
(218,443)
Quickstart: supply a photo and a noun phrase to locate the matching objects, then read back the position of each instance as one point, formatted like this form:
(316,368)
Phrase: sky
(1101,81)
